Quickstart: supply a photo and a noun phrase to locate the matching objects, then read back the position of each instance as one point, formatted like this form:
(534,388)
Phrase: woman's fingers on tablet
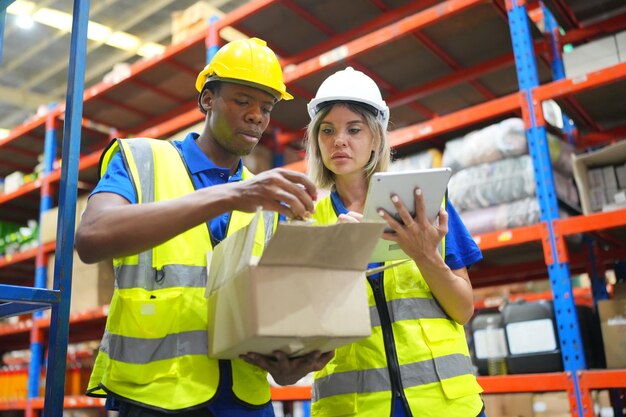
(404,214)
(420,207)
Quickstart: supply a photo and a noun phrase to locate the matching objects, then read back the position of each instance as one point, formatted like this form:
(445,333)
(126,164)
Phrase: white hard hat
(350,85)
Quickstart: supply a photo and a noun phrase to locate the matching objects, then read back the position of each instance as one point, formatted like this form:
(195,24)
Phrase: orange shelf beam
(291,393)
(603,378)
(378,37)
(25,255)
(509,237)
(23,190)
(438,125)
(77,401)
(592,222)
(568,86)
(553,381)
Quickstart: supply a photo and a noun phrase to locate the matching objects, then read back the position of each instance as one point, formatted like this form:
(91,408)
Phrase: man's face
(237,116)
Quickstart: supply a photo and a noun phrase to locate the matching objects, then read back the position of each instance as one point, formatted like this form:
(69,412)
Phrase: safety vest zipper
(393,365)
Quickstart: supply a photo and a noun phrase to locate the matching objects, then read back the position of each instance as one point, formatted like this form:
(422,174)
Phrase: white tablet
(433,183)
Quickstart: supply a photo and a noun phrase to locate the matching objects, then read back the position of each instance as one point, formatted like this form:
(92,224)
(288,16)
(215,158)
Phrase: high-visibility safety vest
(154,351)
(416,353)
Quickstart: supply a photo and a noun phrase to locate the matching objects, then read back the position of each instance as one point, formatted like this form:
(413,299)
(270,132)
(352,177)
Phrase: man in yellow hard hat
(157,209)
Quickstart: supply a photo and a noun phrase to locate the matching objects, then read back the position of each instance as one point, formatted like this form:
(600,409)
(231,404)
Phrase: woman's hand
(420,239)
(417,236)
(285,370)
(350,217)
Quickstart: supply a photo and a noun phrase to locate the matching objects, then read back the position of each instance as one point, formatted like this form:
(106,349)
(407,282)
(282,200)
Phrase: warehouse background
(448,71)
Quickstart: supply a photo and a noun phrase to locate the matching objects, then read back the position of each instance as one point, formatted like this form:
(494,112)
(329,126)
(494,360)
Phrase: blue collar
(197,161)
(337,203)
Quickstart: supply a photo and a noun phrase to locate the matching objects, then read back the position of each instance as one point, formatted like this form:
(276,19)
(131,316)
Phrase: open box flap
(342,246)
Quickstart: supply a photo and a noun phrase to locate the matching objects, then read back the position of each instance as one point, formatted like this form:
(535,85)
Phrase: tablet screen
(433,183)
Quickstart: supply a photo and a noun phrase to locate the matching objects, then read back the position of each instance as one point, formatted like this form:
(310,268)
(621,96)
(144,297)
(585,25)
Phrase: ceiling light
(150,49)
(4,133)
(97,32)
(54,18)
(24,21)
(123,40)
(21,7)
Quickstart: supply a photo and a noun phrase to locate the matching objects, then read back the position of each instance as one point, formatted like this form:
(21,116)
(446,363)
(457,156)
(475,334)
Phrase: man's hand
(286,371)
(288,192)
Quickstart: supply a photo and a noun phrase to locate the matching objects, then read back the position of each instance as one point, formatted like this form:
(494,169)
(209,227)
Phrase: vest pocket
(142,329)
(451,362)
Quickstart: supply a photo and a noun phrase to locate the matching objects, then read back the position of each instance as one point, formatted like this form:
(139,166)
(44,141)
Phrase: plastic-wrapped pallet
(501,182)
(504,216)
(499,141)
(517,213)
(430,158)
(492,143)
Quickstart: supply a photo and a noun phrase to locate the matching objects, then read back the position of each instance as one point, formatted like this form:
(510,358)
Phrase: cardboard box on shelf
(610,155)
(613,324)
(307,291)
(508,405)
(49,220)
(92,284)
(190,20)
(590,57)
(551,404)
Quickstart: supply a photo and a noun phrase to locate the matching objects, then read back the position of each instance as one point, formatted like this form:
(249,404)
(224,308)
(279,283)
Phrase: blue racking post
(36,345)
(3,18)
(565,310)
(27,299)
(59,321)
(212,40)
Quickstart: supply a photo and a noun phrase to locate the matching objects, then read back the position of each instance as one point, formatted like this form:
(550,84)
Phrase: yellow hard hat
(247,61)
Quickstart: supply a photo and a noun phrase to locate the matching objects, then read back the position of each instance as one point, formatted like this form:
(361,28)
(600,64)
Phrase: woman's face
(345,140)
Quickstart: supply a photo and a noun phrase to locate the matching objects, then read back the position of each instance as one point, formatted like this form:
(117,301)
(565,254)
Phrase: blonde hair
(381,156)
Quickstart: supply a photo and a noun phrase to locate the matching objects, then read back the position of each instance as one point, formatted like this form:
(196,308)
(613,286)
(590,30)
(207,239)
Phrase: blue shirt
(204,173)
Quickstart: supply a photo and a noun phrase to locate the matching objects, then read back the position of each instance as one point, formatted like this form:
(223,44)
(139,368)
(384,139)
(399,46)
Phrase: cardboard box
(610,155)
(613,324)
(190,20)
(48,228)
(590,57)
(551,404)
(508,405)
(307,292)
(619,291)
(92,284)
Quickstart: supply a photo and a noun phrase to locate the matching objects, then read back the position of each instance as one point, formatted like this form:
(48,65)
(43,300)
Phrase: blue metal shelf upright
(20,300)
(570,339)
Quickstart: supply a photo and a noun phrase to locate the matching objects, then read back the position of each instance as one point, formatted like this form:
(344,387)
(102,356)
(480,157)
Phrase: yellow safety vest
(433,365)
(155,347)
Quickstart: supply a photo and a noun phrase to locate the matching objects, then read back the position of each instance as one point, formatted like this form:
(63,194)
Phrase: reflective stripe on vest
(132,349)
(432,354)
(376,380)
(156,337)
(409,309)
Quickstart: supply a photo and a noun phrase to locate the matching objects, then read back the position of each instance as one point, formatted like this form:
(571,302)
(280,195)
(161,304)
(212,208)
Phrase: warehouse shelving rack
(23,299)
(314,49)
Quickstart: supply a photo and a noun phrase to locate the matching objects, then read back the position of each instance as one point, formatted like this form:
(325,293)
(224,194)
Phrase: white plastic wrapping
(502,182)
(499,141)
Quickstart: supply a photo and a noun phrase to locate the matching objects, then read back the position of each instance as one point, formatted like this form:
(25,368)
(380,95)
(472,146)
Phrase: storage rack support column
(19,299)
(554,247)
